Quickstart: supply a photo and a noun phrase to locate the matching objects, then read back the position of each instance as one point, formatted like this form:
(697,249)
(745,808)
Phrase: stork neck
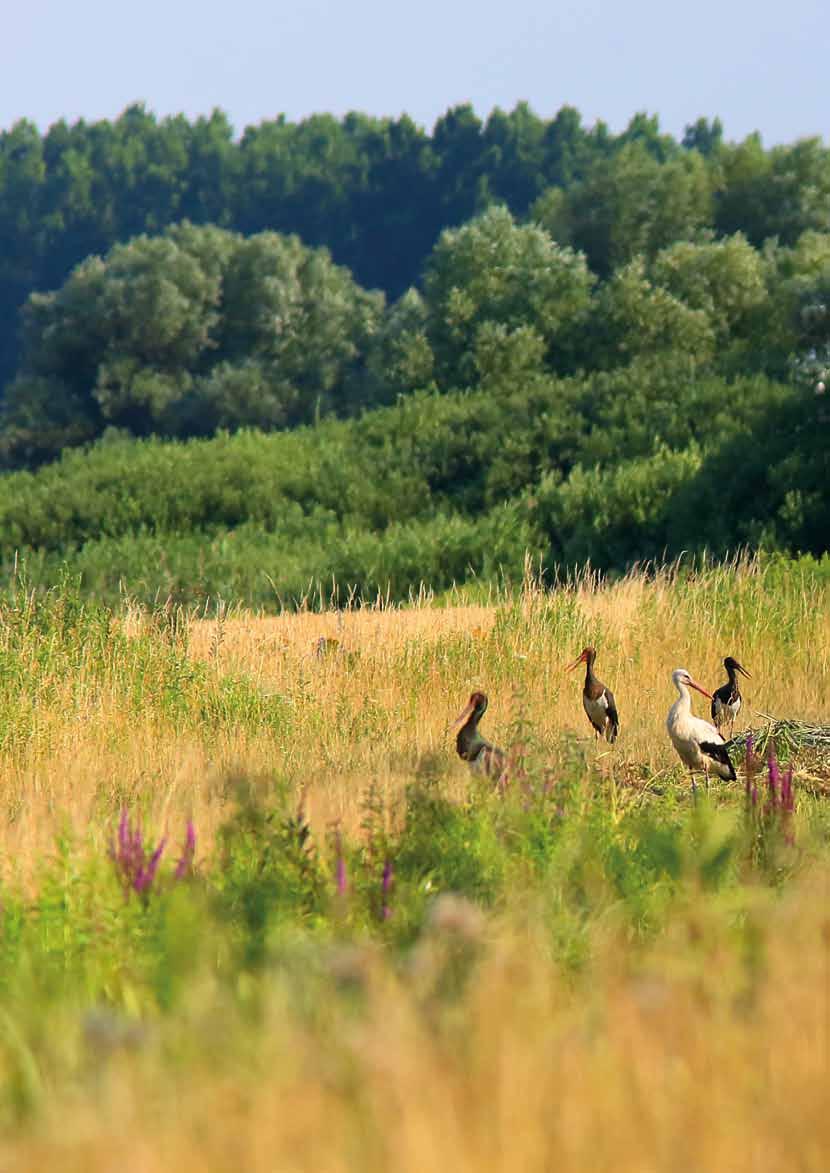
(469,740)
(683,704)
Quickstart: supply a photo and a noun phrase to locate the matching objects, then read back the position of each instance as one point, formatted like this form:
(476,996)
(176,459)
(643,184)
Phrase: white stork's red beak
(693,684)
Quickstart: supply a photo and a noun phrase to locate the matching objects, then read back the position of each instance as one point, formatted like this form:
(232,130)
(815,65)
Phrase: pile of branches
(789,739)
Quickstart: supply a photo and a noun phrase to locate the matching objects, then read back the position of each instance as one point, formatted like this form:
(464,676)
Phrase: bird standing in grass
(698,744)
(471,746)
(727,700)
(597,699)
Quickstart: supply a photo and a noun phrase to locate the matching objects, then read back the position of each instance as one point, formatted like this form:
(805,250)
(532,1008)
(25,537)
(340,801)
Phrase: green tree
(798,326)
(494,271)
(724,279)
(400,358)
(630,203)
(636,317)
(779,193)
(147,338)
(704,136)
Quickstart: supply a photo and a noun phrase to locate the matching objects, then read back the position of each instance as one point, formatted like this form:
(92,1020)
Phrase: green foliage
(606,518)
(780,193)
(626,464)
(640,318)
(187,332)
(666,407)
(269,872)
(631,203)
(495,275)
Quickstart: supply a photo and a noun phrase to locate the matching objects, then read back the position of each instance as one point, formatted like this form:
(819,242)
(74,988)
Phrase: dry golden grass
(707,1050)
(369,708)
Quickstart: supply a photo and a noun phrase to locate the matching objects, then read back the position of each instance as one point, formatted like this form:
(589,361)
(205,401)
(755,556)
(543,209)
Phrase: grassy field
(373,959)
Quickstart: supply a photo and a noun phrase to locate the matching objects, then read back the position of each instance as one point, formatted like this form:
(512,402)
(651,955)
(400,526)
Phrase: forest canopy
(512,334)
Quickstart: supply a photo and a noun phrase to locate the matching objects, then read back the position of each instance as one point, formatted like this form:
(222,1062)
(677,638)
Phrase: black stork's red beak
(478,700)
(743,670)
(580,659)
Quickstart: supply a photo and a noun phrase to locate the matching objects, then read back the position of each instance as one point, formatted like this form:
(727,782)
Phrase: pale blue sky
(757,65)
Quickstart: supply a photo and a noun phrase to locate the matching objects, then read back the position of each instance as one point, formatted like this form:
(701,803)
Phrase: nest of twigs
(806,745)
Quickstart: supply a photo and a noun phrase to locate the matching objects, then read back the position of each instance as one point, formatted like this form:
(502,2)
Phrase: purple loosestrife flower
(143,880)
(135,865)
(774,777)
(185,865)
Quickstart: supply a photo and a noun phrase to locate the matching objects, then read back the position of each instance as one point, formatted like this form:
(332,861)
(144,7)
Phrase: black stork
(471,746)
(597,699)
(727,700)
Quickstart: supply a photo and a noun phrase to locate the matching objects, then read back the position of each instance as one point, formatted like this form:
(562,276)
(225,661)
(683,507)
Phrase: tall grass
(371,958)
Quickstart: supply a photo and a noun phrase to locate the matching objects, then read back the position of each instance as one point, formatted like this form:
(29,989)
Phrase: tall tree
(514,276)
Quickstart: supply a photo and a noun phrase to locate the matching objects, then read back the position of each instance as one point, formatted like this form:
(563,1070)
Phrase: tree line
(614,366)
(201,328)
(377,192)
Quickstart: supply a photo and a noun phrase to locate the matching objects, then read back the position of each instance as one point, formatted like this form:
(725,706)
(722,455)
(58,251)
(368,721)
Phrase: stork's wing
(702,731)
(718,753)
(613,727)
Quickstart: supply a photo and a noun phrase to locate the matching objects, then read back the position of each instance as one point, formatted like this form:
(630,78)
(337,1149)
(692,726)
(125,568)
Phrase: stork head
(586,656)
(731,665)
(683,679)
(476,705)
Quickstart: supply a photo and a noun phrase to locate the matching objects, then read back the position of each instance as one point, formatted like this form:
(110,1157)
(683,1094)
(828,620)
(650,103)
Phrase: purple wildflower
(772,809)
(143,880)
(774,775)
(135,864)
(185,865)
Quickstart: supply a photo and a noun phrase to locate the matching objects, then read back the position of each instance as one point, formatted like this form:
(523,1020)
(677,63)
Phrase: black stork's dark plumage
(471,746)
(597,699)
(727,700)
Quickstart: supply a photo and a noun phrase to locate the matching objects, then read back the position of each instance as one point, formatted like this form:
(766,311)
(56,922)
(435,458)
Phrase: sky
(758,66)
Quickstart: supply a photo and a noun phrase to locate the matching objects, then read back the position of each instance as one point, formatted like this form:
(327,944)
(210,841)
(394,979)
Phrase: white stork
(698,744)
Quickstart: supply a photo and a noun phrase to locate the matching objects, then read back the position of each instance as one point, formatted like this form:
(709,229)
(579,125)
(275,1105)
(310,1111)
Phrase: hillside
(252,421)
(437,490)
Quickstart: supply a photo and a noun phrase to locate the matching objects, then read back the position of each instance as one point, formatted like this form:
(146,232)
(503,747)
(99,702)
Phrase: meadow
(255,911)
